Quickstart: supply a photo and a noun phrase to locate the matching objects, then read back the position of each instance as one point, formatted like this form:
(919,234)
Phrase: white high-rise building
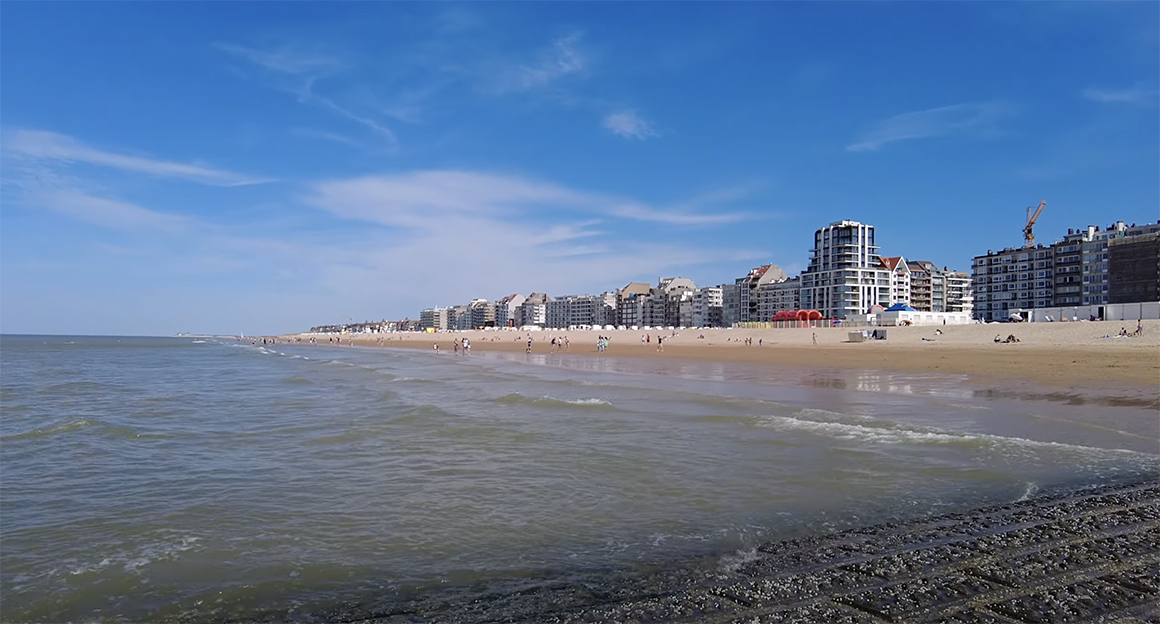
(845,276)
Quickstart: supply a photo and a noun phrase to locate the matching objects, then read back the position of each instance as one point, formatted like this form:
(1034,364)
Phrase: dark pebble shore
(1091,555)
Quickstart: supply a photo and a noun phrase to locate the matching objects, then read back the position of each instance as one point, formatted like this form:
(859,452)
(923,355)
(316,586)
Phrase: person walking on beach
(660,344)
(815,339)
(529,349)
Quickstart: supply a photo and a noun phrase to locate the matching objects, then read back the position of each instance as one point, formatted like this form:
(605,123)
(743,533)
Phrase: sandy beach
(1057,354)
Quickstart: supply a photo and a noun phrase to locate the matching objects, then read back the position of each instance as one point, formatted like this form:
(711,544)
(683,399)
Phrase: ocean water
(212,480)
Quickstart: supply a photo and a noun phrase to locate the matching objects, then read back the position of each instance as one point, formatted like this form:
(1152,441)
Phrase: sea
(218,480)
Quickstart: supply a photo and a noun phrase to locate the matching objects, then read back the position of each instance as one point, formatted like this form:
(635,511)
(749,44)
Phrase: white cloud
(305,70)
(629,125)
(105,212)
(41,145)
(284,60)
(426,199)
(327,136)
(558,61)
(935,122)
(563,59)
(468,234)
(1133,95)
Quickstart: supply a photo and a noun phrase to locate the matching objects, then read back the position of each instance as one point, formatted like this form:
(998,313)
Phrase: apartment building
(534,310)
(1068,272)
(663,306)
(706,307)
(507,310)
(845,276)
(730,304)
(482,313)
(741,300)
(1134,268)
(557,312)
(1012,279)
(592,309)
(900,279)
(460,317)
(630,303)
(1076,270)
(1087,249)
(778,296)
(960,293)
(436,318)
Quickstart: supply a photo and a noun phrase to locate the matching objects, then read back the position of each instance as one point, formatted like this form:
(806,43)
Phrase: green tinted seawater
(153,478)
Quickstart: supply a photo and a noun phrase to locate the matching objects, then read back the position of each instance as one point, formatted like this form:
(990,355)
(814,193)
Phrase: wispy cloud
(959,119)
(1138,94)
(307,94)
(106,212)
(284,60)
(327,136)
(562,59)
(42,145)
(629,125)
(431,199)
(559,60)
(305,70)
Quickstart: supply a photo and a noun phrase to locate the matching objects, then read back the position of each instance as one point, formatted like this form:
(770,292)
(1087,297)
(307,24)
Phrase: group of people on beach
(1139,330)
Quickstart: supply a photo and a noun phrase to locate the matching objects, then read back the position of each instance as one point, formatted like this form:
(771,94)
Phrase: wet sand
(1052,354)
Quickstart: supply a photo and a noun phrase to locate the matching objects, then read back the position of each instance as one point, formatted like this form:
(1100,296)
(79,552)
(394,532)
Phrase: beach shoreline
(991,564)
(1052,354)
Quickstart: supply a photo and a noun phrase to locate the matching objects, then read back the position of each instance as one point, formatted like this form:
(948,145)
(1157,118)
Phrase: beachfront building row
(927,288)
(1088,267)
(846,277)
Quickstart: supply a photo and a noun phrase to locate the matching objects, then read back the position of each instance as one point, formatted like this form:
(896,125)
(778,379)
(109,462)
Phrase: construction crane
(1028,236)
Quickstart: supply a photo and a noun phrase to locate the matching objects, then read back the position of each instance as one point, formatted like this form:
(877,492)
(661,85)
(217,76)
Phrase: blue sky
(265,167)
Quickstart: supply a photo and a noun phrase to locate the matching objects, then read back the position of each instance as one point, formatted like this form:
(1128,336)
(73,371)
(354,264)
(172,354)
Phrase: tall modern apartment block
(845,276)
